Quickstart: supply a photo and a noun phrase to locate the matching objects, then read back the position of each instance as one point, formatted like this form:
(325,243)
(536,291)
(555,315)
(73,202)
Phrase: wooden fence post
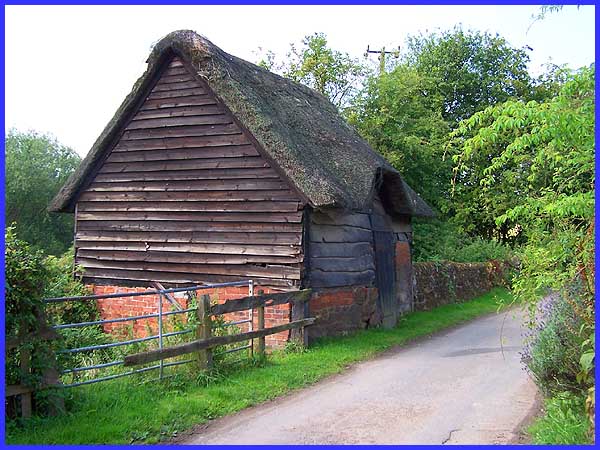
(299,312)
(204,331)
(261,326)
(26,396)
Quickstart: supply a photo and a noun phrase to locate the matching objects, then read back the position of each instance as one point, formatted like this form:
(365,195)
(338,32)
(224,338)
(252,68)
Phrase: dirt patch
(521,434)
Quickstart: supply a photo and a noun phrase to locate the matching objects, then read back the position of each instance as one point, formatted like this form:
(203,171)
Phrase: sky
(68,68)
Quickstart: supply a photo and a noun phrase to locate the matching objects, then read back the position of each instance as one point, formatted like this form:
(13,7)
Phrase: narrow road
(463,386)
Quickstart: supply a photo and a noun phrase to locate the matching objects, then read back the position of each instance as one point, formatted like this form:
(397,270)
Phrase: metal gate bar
(161,293)
(150,292)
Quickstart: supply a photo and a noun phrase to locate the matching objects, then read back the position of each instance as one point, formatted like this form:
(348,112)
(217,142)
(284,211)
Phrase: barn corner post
(300,309)
(300,312)
(204,331)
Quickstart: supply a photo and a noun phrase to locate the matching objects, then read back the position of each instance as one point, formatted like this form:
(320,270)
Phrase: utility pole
(382,53)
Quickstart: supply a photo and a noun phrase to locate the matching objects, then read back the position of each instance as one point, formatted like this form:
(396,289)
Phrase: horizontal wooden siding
(185,196)
(340,249)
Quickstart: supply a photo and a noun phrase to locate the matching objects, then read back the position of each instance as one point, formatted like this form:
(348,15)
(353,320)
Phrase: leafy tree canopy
(473,69)
(332,73)
(527,168)
(36,168)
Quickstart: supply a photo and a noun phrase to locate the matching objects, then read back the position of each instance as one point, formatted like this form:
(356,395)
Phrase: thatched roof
(299,128)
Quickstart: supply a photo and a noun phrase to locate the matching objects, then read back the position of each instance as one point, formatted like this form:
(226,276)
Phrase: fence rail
(203,344)
(206,342)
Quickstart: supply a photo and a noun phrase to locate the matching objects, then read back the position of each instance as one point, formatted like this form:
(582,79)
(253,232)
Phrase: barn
(214,169)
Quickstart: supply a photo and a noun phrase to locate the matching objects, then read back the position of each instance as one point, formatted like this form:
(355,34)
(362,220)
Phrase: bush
(564,421)
(25,274)
(553,346)
(436,240)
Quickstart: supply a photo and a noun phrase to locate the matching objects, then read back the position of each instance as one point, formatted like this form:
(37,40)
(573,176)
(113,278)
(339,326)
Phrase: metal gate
(384,271)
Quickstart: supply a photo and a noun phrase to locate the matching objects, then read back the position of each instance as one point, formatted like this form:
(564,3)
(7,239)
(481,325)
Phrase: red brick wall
(148,304)
(404,277)
(342,310)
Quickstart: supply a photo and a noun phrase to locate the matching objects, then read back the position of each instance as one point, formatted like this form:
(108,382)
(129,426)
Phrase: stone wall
(343,310)
(443,282)
(136,306)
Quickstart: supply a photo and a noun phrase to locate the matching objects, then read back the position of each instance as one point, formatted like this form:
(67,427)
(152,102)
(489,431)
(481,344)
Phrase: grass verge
(127,411)
(564,421)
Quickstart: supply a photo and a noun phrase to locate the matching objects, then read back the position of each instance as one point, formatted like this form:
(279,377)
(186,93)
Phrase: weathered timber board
(181,142)
(318,278)
(169,77)
(154,253)
(171,122)
(360,220)
(188,226)
(137,278)
(203,174)
(180,111)
(164,86)
(223,249)
(197,216)
(352,264)
(340,250)
(182,349)
(189,185)
(196,197)
(189,164)
(209,152)
(244,270)
(195,100)
(252,302)
(233,237)
(181,131)
(338,233)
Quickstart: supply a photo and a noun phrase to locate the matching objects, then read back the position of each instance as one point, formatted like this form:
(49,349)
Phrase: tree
(473,70)
(332,73)
(36,168)
(541,155)
(399,114)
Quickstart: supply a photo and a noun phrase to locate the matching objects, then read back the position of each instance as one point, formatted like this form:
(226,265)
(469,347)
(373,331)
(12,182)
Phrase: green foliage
(400,114)
(64,280)
(527,170)
(24,274)
(563,421)
(26,277)
(36,168)
(121,412)
(473,70)
(437,240)
(553,350)
(332,73)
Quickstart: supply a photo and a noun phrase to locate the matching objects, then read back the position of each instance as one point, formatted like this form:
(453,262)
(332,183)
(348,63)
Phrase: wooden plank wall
(185,196)
(340,249)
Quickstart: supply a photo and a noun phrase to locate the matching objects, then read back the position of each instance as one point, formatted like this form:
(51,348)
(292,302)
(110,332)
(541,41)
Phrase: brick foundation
(136,306)
(342,310)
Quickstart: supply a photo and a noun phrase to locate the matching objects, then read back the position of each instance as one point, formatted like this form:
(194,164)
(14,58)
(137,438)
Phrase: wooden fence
(205,342)
(30,337)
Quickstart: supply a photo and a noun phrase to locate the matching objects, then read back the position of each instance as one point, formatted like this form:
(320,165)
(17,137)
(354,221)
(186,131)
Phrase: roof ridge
(299,128)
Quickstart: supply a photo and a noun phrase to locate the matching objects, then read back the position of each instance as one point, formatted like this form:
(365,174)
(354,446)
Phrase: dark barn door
(385,272)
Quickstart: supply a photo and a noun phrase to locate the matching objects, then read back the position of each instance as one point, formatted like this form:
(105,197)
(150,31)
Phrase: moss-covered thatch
(299,128)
